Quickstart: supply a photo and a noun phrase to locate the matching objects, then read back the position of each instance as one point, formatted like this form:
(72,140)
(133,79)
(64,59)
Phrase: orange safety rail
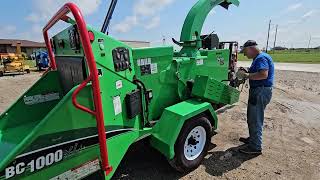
(93,77)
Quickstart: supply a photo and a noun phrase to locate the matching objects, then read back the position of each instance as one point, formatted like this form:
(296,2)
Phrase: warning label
(40,98)
(117,105)
(80,171)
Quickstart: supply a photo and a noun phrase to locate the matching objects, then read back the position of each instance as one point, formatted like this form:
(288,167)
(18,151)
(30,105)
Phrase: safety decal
(144,61)
(117,105)
(40,98)
(80,171)
(154,68)
(199,62)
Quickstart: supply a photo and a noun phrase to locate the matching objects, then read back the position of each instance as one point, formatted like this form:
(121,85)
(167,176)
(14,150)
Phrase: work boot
(250,151)
(244,140)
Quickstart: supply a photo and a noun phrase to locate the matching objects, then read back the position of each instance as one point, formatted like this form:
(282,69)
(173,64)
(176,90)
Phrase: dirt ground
(291,136)
(13,85)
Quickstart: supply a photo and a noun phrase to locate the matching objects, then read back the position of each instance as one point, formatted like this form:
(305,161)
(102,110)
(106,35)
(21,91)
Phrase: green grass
(288,56)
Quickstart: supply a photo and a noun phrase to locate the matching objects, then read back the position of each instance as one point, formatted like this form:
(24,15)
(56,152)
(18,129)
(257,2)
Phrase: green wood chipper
(100,96)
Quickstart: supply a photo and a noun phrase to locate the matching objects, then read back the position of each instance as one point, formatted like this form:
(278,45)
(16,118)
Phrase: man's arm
(262,66)
(261,75)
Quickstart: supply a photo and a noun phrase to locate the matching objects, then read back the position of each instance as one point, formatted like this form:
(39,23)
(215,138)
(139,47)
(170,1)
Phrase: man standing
(261,77)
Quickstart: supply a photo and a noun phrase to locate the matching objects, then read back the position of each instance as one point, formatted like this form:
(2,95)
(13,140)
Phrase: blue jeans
(259,98)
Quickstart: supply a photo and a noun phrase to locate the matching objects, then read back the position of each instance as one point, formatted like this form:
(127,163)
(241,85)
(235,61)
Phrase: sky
(155,20)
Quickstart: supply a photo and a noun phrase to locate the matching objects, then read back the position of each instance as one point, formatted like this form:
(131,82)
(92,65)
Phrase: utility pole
(163,40)
(275,38)
(268,36)
(309,42)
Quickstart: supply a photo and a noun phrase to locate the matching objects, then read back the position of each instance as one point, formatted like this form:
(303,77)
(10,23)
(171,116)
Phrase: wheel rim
(195,142)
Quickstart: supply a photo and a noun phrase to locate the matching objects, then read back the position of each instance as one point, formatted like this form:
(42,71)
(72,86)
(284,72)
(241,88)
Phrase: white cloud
(155,21)
(10,32)
(289,9)
(293,7)
(300,20)
(212,12)
(296,32)
(144,12)
(7,30)
(45,9)
(33,18)
(150,7)
(292,22)
(37,29)
(309,14)
(126,24)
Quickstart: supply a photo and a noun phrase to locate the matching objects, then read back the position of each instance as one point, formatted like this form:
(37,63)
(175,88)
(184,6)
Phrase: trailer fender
(166,131)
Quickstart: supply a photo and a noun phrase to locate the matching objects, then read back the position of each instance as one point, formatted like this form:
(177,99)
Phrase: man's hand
(244,69)
(242,74)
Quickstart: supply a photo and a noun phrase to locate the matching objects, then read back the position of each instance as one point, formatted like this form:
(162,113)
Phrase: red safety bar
(93,77)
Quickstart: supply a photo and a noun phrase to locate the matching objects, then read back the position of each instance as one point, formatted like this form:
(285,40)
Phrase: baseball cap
(250,43)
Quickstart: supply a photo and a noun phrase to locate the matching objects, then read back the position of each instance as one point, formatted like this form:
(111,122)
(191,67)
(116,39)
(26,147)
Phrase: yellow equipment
(1,68)
(13,62)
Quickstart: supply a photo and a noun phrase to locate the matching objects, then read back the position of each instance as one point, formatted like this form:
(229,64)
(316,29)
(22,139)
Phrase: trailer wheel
(1,73)
(192,144)
(28,71)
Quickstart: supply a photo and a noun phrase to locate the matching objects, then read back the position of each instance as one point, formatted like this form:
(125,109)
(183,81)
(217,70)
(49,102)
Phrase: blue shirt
(262,62)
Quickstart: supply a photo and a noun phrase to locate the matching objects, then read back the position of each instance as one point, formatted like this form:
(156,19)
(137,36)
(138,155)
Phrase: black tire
(180,162)
(1,73)
(28,71)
